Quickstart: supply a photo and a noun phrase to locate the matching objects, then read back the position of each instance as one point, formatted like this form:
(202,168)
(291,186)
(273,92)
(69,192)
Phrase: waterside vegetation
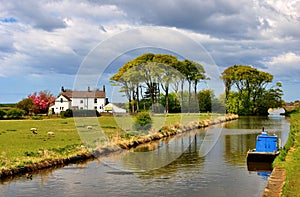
(289,158)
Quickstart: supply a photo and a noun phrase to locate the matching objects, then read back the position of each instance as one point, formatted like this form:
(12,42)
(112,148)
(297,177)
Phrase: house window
(81,101)
(95,100)
(61,100)
(95,107)
(100,107)
(81,107)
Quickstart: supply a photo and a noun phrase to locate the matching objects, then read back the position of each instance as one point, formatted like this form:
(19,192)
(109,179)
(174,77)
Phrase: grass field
(289,158)
(19,146)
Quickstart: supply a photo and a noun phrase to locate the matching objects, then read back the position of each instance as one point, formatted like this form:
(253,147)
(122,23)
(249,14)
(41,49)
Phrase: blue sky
(43,43)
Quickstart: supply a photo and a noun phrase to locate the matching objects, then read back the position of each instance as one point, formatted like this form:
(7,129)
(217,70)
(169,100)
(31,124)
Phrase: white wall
(61,104)
(88,103)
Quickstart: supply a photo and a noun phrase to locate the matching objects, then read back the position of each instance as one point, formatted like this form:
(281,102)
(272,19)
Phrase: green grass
(19,146)
(289,157)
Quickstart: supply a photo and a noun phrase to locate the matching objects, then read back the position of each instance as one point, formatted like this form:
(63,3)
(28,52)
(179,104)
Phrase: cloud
(34,13)
(56,36)
(285,66)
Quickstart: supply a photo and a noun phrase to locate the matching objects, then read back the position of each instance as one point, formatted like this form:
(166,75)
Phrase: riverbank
(35,158)
(284,180)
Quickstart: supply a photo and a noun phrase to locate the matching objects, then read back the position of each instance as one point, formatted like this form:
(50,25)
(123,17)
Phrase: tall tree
(26,105)
(250,84)
(193,72)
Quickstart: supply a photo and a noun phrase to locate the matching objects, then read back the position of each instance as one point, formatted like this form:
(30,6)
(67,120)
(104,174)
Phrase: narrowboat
(266,148)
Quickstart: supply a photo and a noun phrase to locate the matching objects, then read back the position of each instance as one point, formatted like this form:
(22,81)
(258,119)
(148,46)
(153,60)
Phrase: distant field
(19,146)
(8,105)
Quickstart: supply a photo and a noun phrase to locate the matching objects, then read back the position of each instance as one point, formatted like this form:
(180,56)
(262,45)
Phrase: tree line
(148,80)
(152,79)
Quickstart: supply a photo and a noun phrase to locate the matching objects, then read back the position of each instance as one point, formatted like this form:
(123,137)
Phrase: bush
(14,113)
(2,114)
(143,121)
(66,114)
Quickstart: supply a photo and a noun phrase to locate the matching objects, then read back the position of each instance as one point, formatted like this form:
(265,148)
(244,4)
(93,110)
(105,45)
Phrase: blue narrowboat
(266,148)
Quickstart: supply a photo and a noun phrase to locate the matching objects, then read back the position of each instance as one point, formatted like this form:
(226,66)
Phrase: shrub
(66,114)
(14,113)
(2,114)
(143,121)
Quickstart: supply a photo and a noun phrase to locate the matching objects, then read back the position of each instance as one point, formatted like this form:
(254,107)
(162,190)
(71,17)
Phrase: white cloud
(55,36)
(285,66)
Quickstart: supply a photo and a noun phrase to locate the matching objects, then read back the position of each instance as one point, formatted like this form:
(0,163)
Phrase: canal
(210,162)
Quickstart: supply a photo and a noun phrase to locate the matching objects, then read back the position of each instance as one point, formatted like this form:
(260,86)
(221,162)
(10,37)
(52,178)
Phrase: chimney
(103,88)
(89,89)
(62,89)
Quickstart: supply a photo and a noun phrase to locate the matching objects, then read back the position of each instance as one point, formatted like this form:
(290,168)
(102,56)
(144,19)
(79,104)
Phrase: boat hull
(267,157)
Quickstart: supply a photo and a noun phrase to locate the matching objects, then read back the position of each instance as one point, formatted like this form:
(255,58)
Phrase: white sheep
(34,130)
(50,133)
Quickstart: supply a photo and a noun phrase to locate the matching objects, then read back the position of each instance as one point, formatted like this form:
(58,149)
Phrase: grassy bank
(19,146)
(289,158)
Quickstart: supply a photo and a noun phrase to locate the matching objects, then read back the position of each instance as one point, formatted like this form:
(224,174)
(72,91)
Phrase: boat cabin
(266,143)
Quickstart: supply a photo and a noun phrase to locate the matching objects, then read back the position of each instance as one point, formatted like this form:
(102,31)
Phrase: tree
(41,101)
(251,85)
(26,105)
(205,100)
(193,72)
(173,102)
(155,72)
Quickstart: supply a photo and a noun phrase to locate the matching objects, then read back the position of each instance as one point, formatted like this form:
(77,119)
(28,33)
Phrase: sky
(47,44)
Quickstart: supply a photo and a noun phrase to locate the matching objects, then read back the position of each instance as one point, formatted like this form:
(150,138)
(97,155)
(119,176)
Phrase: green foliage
(173,102)
(26,105)
(205,100)
(155,72)
(66,114)
(252,96)
(143,121)
(2,114)
(15,113)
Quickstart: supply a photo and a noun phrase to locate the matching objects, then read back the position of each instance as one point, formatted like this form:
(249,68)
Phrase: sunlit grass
(289,158)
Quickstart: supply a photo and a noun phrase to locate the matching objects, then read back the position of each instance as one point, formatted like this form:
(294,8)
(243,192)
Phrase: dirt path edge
(275,183)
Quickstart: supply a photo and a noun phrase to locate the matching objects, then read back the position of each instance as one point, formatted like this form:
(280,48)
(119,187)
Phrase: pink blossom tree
(41,101)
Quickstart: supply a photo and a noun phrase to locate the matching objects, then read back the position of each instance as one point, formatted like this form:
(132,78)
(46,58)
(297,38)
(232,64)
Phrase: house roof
(69,99)
(83,94)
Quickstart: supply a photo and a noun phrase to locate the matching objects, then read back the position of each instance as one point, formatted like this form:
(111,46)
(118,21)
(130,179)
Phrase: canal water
(210,162)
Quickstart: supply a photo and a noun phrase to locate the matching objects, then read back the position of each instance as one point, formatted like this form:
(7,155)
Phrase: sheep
(34,130)
(89,127)
(50,133)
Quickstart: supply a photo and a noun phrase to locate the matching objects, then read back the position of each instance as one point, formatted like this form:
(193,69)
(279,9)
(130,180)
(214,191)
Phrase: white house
(79,100)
